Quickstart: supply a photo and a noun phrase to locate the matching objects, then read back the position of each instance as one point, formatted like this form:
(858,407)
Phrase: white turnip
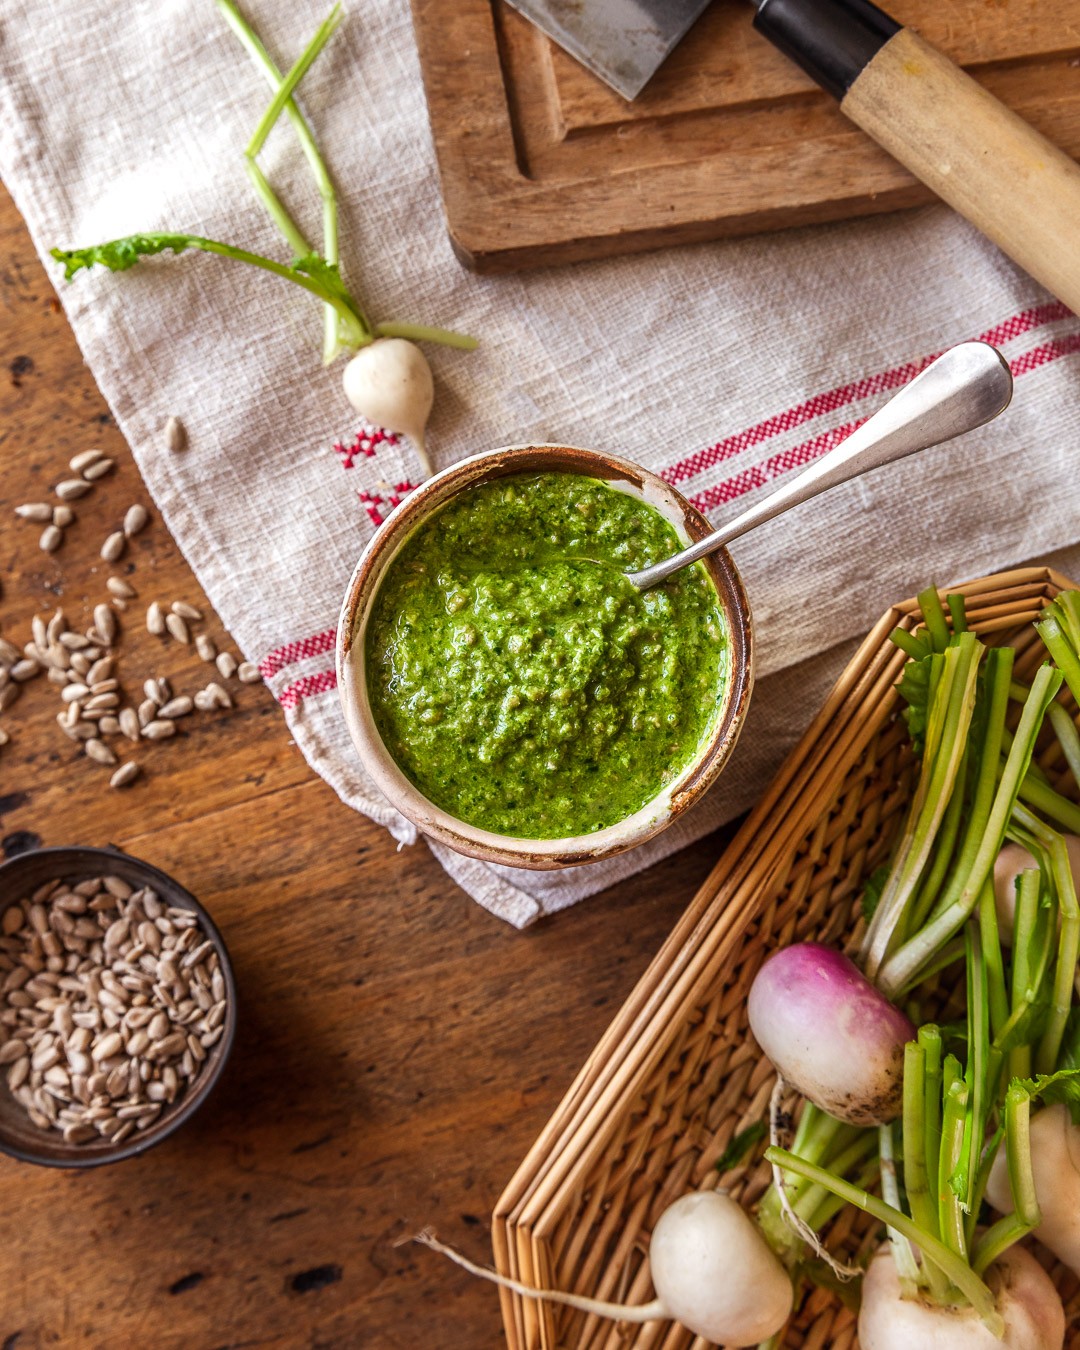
(712,1270)
(830,1033)
(1055,1167)
(1011,861)
(1024,1295)
(390,383)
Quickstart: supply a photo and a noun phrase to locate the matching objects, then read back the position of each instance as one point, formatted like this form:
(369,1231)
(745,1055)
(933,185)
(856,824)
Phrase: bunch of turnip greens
(979,897)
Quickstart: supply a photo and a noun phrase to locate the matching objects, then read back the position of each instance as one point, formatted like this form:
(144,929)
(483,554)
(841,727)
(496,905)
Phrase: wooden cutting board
(541,163)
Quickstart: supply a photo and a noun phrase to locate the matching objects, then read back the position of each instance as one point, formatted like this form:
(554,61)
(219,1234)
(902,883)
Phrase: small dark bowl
(18,1135)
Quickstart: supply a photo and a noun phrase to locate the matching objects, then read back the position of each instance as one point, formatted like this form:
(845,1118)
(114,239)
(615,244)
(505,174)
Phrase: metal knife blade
(621,41)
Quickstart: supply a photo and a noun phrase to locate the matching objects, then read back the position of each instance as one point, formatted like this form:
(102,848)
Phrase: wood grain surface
(399,1048)
(540,162)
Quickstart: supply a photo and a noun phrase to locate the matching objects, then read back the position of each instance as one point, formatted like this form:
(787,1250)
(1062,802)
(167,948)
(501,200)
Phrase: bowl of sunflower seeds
(117,1006)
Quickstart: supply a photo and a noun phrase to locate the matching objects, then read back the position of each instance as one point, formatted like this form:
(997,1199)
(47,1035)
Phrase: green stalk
(958,613)
(284,92)
(952,1266)
(1059,647)
(812,1196)
(253,44)
(903,1257)
(978,1038)
(909,643)
(930,1041)
(996,992)
(946,738)
(1067,737)
(943,853)
(1050,803)
(934,617)
(1046,1057)
(419,332)
(1023,986)
(950,1212)
(916,1178)
(1026,1213)
(919,949)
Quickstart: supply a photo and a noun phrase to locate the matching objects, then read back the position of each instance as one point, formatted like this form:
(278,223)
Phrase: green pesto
(518,678)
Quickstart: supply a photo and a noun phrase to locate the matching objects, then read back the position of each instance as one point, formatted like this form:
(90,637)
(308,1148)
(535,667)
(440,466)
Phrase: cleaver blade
(621,41)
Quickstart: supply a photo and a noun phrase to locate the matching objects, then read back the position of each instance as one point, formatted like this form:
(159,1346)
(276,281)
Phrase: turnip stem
(1067,737)
(1046,1058)
(950,1214)
(999,1237)
(978,1038)
(419,332)
(997,995)
(812,1196)
(285,87)
(957,612)
(930,1041)
(903,1256)
(923,1209)
(909,643)
(934,616)
(1052,804)
(952,1266)
(617,1312)
(1058,645)
(901,967)
(277,211)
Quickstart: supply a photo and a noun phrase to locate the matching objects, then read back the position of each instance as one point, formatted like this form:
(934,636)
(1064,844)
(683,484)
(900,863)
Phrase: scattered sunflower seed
(8,695)
(248,672)
(99,751)
(83,459)
(175,435)
(205,646)
(40,512)
(98,469)
(105,622)
(159,729)
(62,517)
(155,619)
(71,489)
(136,518)
(177,627)
(51,539)
(122,589)
(129,723)
(176,707)
(186,611)
(25,669)
(147,712)
(226,664)
(125,774)
(113,547)
(222,698)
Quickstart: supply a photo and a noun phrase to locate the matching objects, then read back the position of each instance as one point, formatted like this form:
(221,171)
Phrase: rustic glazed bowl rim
(486,845)
(73,860)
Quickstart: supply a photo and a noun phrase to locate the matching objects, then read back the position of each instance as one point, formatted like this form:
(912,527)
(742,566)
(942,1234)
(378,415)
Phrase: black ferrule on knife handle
(833,40)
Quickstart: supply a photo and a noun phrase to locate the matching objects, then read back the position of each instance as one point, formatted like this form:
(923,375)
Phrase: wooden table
(399,1048)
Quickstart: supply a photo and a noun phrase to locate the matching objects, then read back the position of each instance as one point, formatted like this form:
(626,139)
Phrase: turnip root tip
(830,1033)
(1032,1317)
(389,383)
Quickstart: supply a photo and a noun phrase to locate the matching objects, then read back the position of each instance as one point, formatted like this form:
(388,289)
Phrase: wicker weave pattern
(677,1074)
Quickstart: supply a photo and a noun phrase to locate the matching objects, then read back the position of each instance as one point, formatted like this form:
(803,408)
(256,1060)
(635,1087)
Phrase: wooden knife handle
(985,161)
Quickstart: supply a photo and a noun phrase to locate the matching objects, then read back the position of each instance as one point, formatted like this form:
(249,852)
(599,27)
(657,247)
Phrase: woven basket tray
(677,1074)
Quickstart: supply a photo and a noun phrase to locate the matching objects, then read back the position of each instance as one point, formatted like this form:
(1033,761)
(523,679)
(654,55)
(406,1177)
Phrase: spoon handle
(963,389)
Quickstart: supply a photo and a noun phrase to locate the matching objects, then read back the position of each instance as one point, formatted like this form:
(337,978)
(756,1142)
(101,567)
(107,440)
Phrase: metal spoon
(963,389)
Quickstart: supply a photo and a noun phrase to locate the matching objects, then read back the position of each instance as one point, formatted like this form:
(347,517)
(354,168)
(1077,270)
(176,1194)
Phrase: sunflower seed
(113,547)
(159,729)
(226,664)
(62,517)
(125,774)
(147,712)
(8,695)
(99,751)
(186,611)
(102,669)
(9,653)
(98,469)
(204,645)
(136,518)
(75,642)
(175,435)
(248,672)
(84,458)
(101,702)
(222,698)
(176,707)
(129,723)
(155,619)
(120,588)
(51,539)
(73,693)
(71,489)
(105,622)
(177,627)
(40,512)
(106,1046)
(25,669)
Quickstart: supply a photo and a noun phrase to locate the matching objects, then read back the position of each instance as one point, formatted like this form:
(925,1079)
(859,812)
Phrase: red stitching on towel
(364,444)
(307,685)
(373,500)
(834,399)
(292,652)
(1049,351)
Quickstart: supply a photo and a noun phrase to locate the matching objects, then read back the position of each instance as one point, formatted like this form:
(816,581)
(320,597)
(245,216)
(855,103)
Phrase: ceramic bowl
(19,877)
(676,797)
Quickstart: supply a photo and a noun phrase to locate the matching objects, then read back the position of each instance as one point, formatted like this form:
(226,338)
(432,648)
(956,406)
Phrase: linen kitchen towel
(722,366)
